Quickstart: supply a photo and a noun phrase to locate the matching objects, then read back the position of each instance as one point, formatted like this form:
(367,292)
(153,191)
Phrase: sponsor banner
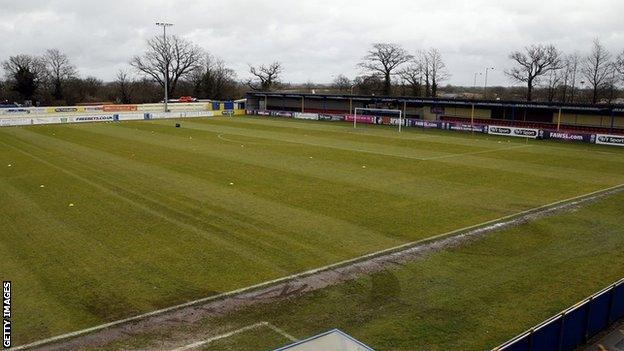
(119,108)
(514,132)
(7,122)
(94,108)
(412,122)
(24,111)
(466,127)
(362,119)
(65,109)
(396,121)
(311,116)
(166,115)
(263,113)
(282,114)
(569,136)
(15,111)
(335,118)
(607,139)
(97,118)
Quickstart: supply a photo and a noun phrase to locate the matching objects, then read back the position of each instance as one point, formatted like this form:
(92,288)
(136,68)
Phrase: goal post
(371,112)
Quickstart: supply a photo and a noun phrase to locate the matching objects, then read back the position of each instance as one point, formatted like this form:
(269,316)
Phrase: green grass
(155,221)
(472,297)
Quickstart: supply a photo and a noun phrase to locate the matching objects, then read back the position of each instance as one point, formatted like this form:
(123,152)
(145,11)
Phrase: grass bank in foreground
(472,297)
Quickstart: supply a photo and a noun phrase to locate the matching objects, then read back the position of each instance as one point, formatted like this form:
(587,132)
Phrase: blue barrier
(547,335)
(574,326)
(617,307)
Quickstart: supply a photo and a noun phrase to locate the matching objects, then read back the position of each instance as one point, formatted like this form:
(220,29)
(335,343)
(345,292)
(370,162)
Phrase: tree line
(562,75)
(387,66)
(389,69)
(385,69)
(53,79)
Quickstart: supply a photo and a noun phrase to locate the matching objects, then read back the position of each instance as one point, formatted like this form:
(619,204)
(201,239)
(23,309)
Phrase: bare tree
(612,81)
(569,73)
(385,59)
(437,70)
(424,59)
(596,69)
(369,84)
(59,70)
(89,89)
(413,75)
(619,64)
(123,87)
(266,77)
(214,80)
(342,83)
(555,79)
(24,74)
(534,62)
(168,59)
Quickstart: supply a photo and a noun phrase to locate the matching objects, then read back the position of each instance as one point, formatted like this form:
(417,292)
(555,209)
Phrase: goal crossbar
(365,109)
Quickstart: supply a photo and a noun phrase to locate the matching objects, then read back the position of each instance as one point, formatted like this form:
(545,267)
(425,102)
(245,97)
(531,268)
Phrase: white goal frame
(400,113)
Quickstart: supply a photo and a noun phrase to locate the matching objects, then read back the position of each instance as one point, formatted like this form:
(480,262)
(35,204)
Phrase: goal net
(366,115)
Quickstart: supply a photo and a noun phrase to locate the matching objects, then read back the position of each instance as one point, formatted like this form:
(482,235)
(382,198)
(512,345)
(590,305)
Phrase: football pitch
(469,297)
(108,220)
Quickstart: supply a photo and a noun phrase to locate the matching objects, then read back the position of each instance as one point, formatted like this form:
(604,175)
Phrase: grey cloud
(314,39)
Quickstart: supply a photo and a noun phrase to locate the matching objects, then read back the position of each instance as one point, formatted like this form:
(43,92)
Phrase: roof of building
(568,107)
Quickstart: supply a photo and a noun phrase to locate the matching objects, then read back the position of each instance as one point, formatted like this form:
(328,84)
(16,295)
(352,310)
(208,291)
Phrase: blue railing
(574,326)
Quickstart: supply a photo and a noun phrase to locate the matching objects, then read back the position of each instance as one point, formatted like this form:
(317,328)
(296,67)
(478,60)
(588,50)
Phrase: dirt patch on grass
(192,312)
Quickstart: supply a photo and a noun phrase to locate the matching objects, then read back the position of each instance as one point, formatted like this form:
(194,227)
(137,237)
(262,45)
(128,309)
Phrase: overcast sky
(314,39)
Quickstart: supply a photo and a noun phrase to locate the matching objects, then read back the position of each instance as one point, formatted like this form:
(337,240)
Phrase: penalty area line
(235,332)
(266,284)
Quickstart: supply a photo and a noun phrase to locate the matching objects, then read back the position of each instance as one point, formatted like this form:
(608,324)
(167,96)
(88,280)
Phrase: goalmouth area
(126,218)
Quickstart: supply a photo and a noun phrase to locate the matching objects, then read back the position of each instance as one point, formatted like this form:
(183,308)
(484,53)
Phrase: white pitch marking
(220,136)
(219,337)
(282,332)
(308,272)
(474,153)
(234,332)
